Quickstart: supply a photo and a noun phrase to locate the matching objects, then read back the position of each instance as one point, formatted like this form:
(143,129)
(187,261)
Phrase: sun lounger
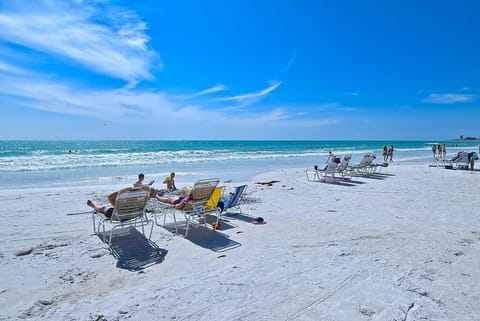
(129,211)
(194,209)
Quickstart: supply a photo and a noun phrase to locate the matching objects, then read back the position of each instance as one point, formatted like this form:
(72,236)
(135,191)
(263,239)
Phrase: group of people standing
(439,151)
(388,153)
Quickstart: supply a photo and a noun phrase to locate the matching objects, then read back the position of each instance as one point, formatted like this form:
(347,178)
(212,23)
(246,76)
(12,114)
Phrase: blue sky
(239,69)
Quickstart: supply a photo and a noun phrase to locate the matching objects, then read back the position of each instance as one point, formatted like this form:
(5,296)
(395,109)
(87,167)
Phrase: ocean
(36,164)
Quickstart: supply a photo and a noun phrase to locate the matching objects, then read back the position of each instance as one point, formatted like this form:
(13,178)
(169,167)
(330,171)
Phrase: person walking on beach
(385,153)
(434,151)
(390,153)
(444,151)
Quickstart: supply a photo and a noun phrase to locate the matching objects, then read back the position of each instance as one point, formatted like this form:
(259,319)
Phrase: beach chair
(362,168)
(342,168)
(319,175)
(129,211)
(212,203)
(194,209)
(462,160)
(378,167)
(328,174)
(233,201)
(373,168)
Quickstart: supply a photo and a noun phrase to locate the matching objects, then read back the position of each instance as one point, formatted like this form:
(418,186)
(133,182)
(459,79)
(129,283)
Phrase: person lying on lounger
(177,202)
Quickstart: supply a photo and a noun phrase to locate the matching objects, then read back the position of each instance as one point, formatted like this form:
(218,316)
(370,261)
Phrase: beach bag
(475,156)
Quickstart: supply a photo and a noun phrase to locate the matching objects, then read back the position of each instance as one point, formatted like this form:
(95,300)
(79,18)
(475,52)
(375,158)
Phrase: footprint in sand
(38,309)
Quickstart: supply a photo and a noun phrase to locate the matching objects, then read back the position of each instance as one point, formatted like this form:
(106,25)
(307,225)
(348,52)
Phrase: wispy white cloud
(56,97)
(121,108)
(8,68)
(117,47)
(450,98)
(211,90)
(287,66)
(254,95)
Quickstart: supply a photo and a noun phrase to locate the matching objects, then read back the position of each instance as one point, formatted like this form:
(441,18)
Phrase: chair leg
(218,211)
(151,230)
(103,234)
(188,224)
(165,218)
(110,238)
(93,220)
(175,222)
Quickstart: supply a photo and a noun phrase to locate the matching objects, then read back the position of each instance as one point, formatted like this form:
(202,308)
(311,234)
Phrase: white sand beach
(400,246)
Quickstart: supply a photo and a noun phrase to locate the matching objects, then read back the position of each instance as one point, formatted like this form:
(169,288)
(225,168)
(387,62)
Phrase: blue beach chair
(232,202)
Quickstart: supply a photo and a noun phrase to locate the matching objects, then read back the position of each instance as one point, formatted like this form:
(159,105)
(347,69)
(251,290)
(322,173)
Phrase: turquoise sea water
(67,163)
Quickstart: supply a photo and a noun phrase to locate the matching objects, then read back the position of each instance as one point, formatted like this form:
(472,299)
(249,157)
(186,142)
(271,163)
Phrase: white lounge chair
(342,168)
(129,211)
(319,175)
(361,168)
(194,209)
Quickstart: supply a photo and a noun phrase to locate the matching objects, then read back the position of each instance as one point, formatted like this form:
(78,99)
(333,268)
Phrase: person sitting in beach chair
(129,207)
(108,210)
(105,210)
(331,158)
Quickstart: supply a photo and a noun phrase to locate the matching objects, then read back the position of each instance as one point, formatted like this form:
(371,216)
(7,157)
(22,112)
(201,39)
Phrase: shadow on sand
(133,251)
(205,236)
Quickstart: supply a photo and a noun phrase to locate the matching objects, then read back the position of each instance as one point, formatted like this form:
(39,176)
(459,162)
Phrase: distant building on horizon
(461,137)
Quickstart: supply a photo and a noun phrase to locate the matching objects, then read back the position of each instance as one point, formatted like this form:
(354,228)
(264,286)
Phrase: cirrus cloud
(450,98)
(118,48)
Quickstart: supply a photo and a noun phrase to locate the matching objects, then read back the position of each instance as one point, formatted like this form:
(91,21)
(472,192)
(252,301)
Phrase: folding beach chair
(194,208)
(129,211)
(320,175)
(212,203)
(231,202)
